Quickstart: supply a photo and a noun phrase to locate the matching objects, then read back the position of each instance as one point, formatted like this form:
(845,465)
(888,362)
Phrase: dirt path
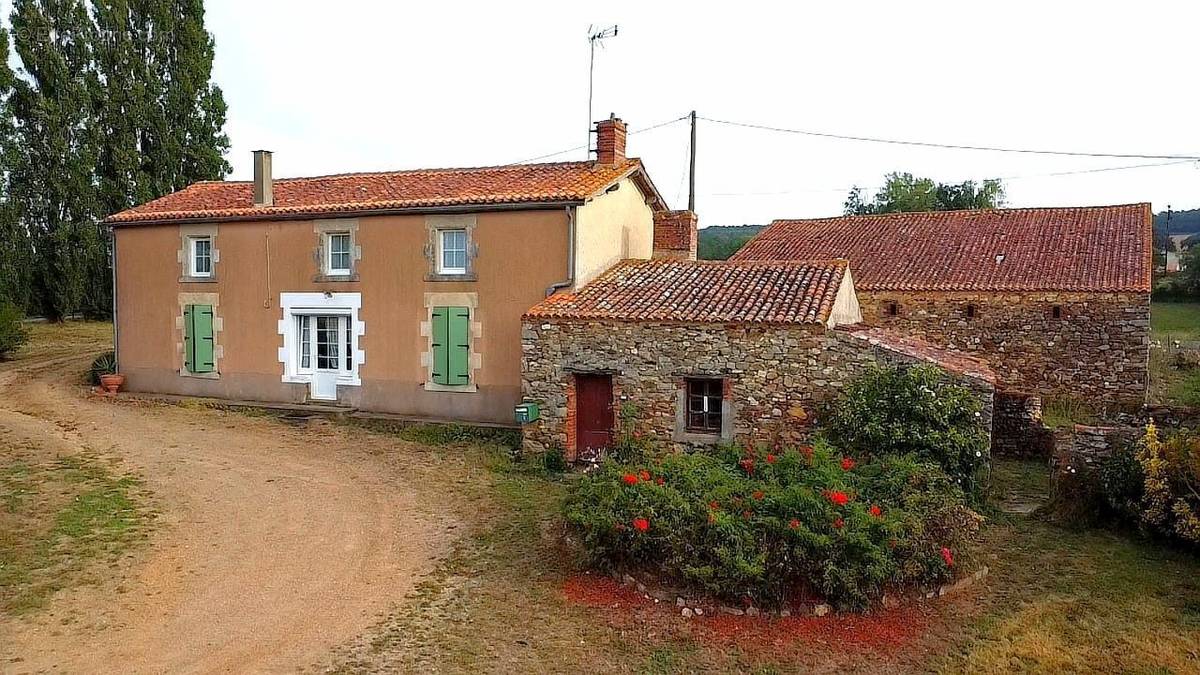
(273,545)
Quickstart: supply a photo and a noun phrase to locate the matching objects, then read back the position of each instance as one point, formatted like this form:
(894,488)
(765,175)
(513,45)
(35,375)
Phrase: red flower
(794,524)
(747,464)
(847,464)
(876,511)
(758,494)
(714,505)
(660,481)
(641,524)
(770,458)
(807,451)
(948,557)
(644,474)
(746,514)
(838,523)
(838,497)
(637,434)
(629,479)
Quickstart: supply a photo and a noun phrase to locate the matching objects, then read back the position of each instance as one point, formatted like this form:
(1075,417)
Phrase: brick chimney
(675,235)
(610,141)
(264,184)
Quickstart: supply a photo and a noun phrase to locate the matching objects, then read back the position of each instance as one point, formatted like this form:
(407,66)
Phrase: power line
(1005,178)
(581,147)
(947,146)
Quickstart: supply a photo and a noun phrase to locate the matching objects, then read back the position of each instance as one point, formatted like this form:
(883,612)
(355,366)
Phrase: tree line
(111,105)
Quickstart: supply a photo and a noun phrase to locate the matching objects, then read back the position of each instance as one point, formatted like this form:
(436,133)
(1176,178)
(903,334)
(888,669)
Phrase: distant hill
(721,241)
(1182,222)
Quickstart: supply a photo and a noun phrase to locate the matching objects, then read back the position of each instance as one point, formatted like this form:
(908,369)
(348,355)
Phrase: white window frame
(330,270)
(307,340)
(295,305)
(442,250)
(193,271)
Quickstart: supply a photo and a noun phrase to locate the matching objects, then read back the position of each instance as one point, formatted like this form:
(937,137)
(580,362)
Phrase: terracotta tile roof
(1100,248)
(920,350)
(691,291)
(396,190)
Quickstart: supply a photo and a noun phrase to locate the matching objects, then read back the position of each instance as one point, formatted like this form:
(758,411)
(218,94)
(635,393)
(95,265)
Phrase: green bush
(775,527)
(1170,504)
(105,364)
(1122,484)
(12,329)
(902,411)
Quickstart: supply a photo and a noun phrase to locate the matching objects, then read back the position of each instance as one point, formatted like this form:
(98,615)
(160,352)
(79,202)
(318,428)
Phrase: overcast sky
(360,86)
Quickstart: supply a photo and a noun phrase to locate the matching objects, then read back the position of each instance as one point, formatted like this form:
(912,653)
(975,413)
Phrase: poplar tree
(53,180)
(15,253)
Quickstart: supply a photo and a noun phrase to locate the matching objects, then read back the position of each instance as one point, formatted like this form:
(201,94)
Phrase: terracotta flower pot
(111,382)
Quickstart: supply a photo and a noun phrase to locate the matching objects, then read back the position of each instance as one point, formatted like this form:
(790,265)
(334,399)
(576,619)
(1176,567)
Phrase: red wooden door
(593,412)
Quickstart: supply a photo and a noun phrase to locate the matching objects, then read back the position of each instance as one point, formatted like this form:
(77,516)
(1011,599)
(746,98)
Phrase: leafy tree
(53,182)
(904,192)
(1189,276)
(114,107)
(15,252)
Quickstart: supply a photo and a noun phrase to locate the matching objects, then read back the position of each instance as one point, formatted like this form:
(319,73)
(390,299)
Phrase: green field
(1175,321)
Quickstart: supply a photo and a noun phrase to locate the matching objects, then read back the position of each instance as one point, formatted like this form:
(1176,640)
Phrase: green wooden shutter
(441,337)
(202,339)
(459,346)
(188,339)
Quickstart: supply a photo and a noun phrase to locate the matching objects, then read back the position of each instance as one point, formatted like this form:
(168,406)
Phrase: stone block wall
(1018,430)
(1098,345)
(1085,448)
(777,377)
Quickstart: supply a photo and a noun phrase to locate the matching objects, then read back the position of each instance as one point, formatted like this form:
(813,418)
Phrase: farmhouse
(1055,300)
(398,292)
(692,353)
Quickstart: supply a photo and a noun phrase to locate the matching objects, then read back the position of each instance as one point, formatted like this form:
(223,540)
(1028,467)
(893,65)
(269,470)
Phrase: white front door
(325,349)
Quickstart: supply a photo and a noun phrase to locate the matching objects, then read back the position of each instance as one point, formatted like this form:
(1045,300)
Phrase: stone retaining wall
(1096,347)
(1085,448)
(1017,429)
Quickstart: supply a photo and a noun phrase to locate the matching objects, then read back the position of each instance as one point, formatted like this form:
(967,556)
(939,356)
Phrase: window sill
(198,280)
(469,276)
(334,278)
(200,376)
(456,388)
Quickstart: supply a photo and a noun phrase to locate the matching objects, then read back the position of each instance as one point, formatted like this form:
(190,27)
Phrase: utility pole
(692,167)
(594,36)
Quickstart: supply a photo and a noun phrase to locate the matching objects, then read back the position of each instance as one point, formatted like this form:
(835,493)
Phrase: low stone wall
(1095,345)
(1017,428)
(777,377)
(1085,448)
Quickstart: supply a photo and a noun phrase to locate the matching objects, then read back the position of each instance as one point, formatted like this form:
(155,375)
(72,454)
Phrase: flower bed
(769,528)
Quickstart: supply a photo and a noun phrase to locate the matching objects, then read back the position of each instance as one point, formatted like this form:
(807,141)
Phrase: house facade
(689,353)
(395,292)
(1056,301)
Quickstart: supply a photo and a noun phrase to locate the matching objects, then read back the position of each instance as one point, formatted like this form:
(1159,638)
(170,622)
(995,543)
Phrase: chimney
(264,185)
(610,141)
(675,235)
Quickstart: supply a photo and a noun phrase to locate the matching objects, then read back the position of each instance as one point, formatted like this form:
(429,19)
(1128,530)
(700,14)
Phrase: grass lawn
(62,520)
(50,340)
(1175,321)
(509,600)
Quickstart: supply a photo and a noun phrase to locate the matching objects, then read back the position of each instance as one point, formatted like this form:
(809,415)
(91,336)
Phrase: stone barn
(697,353)
(1055,300)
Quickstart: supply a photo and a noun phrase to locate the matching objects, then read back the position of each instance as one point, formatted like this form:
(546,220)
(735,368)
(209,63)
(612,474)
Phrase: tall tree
(15,252)
(905,192)
(53,182)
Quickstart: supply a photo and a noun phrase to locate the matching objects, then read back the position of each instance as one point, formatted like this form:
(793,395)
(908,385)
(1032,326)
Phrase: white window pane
(454,250)
(339,252)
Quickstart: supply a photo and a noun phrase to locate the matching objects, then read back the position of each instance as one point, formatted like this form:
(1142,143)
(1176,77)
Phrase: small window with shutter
(451,345)
(198,348)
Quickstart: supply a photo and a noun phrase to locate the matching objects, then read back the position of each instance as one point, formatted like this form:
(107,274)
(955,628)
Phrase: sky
(366,86)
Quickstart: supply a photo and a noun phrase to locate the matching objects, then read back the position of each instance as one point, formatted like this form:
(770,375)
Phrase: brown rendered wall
(1098,349)
(520,254)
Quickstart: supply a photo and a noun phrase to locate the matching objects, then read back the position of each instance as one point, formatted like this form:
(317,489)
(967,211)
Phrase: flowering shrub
(1171,497)
(775,526)
(900,411)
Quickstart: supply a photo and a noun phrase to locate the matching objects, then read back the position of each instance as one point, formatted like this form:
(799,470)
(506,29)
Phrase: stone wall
(1097,347)
(1018,430)
(777,377)
(1085,448)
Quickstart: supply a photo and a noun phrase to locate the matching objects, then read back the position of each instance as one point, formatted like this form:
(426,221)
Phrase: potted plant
(104,373)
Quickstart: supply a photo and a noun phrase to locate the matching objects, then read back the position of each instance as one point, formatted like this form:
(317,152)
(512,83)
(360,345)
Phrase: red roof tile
(920,350)
(396,190)
(1100,248)
(692,291)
